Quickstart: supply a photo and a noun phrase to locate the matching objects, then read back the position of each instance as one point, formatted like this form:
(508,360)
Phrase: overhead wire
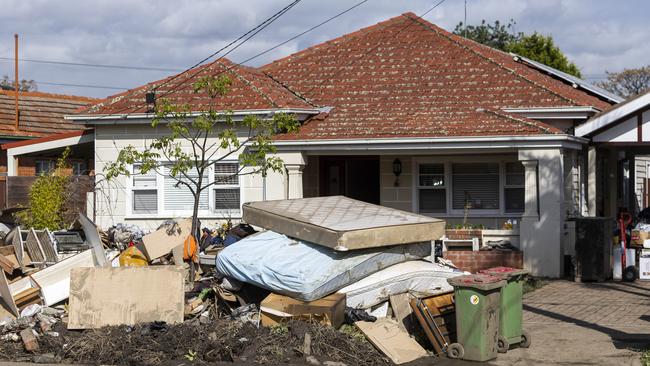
(66,63)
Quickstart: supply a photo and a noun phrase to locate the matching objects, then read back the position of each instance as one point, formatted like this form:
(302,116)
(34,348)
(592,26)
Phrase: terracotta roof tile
(41,114)
(251,89)
(407,77)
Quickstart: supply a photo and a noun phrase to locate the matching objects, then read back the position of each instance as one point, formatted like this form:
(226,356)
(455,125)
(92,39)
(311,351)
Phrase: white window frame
(445,186)
(209,213)
(131,188)
(226,213)
(447,161)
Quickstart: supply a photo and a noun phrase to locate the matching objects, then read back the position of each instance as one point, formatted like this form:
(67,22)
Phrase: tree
(194,143)
(497,36)
(535,46)
(629,82)
(23,85)
(542,49)
(48,199)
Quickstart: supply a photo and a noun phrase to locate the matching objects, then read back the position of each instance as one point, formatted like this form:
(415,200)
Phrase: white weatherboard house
(402,114)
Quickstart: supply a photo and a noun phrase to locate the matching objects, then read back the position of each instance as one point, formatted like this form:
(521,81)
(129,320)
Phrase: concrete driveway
(585,324)
(582,324)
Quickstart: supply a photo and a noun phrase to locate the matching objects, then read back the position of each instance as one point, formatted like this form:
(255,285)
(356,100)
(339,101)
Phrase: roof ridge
(345,37)
(453,38)
(247,82)
(295,93)
(50,95)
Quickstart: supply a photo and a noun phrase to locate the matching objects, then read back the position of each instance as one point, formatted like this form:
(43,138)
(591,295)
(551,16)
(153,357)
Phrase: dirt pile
(200,343)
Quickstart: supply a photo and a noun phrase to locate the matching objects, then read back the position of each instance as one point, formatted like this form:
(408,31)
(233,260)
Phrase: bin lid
(479,281)
(505,272)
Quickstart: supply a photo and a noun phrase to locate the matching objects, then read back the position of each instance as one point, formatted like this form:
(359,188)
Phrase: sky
(598,35)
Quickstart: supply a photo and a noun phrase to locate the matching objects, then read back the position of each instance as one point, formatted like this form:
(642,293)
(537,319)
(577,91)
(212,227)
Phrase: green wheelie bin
(477,316)
(511,315)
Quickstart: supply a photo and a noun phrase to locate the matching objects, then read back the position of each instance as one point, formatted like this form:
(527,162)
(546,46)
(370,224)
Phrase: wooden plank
(392,340)
(125,295)
(7,297)
(6,264)
(329,310)
(402,311)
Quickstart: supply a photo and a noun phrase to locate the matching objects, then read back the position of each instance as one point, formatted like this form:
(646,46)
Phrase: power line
(243,38)
(124,67)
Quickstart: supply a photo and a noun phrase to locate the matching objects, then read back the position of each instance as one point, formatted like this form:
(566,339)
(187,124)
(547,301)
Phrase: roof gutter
(93,118)
(537,141)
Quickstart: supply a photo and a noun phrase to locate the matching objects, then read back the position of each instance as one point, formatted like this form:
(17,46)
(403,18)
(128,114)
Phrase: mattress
(342,223)
(304,270)
(417,276)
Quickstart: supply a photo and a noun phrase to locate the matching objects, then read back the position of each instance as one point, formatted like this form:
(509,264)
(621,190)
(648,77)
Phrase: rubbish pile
(322,281)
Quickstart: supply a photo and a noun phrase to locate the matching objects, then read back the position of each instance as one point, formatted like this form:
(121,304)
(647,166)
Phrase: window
(226,186)
(79,168)
(514,187)
(431,187)
(179,197)
(144,192)
(44,166)
(475,185)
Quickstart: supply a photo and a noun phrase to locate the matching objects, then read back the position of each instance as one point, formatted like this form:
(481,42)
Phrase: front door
(352,176)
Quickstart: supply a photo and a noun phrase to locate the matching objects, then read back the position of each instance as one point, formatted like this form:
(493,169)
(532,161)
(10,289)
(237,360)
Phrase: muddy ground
(220,340)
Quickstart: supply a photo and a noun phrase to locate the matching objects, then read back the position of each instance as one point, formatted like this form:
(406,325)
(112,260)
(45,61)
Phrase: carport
(618,158)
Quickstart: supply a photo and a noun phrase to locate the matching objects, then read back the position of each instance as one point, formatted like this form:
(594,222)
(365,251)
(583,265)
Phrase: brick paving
(610,304)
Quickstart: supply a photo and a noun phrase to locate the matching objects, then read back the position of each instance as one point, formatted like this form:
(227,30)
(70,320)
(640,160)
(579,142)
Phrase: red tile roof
(41,114)
(408,77)
(250,90)
(55,137)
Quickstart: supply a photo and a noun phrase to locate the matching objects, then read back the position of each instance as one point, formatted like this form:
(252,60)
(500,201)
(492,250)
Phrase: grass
(645,358)
(353,332)
(533,283)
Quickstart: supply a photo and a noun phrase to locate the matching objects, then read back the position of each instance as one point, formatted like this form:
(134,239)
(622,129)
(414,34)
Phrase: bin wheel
(502,344)
(629,275)
(525,339)
(455,350)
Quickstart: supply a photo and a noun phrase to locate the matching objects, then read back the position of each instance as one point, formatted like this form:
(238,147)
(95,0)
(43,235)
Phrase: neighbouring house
(33,140)
(402,114)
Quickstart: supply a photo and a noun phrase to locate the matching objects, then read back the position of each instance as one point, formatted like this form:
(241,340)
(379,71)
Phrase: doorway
(352,176)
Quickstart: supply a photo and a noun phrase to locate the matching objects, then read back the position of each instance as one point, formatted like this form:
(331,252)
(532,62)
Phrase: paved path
(585,324)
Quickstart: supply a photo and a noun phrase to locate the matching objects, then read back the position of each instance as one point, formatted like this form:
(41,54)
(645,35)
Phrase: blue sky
(598,35)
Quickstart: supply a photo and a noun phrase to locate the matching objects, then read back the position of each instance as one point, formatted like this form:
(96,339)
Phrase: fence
(17,191)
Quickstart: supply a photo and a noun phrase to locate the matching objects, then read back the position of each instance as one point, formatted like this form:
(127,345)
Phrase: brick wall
(464,234)
(473,262)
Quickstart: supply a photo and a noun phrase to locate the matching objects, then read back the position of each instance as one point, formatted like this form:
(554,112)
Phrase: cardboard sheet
(392,340)
(160,243)
(125,295)
(54,280)
(328,310)
(342,223)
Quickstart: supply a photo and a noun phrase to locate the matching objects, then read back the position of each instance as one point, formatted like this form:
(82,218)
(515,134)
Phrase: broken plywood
(392,340)
(125,295)
(342,223)
(162,241)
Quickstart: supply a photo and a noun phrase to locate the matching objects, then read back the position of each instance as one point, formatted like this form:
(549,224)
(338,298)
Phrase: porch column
(591,181)
(543,219)
(531,208)
(294,164)
(294,180)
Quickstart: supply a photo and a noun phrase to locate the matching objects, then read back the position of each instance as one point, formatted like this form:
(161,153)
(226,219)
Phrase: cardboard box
(639,237)
(329,310)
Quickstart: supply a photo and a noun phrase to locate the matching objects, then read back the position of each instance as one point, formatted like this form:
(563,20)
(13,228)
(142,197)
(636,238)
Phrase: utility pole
(465,21)
(16,123)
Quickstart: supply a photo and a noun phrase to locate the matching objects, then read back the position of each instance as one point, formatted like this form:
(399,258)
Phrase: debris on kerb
(328,281)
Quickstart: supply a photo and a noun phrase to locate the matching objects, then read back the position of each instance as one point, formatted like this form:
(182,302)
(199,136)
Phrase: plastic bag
(132,257)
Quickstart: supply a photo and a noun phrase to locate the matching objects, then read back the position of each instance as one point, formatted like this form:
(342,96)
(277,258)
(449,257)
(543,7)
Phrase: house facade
(402,114)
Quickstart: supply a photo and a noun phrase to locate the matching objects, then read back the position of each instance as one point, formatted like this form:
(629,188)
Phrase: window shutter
(476,184)
(226,174)
(145,201)
(178,197)
(226,199)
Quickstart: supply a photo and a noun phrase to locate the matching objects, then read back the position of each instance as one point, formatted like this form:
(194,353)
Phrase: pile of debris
(328,281)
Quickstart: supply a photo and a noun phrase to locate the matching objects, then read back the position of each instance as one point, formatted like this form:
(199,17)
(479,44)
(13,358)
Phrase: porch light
(397,170)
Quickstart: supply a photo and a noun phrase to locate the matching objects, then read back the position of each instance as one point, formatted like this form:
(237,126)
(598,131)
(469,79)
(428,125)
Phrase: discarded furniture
(437,316)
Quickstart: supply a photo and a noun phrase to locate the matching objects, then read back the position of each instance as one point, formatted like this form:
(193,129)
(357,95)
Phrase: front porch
(532,189)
